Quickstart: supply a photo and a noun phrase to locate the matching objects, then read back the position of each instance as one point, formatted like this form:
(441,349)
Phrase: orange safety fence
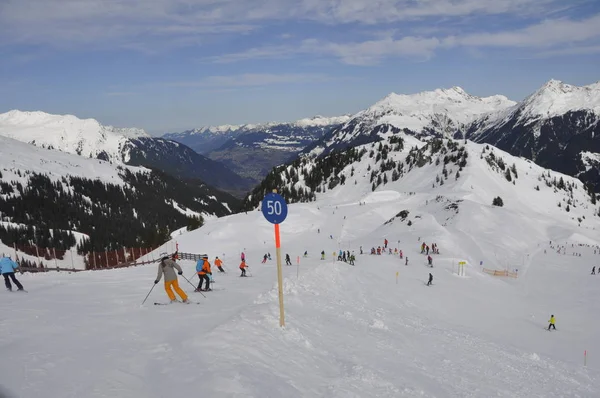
(500,273)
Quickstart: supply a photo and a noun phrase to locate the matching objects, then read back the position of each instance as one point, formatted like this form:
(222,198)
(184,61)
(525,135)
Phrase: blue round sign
(274,208)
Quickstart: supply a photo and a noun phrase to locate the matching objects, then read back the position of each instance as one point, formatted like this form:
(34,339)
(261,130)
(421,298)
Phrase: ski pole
(148,295)
(188,281)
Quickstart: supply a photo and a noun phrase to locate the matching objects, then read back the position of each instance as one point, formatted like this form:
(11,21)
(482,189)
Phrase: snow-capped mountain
(558,127)
(112,205)
(67,133)
(438,113)
(251,150)
(88,138)
(205,139)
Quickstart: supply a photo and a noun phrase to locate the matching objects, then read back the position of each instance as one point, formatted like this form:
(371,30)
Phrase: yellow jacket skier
(552,321)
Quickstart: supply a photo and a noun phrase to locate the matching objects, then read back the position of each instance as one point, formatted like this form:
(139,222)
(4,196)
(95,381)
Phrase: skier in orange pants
(168,267)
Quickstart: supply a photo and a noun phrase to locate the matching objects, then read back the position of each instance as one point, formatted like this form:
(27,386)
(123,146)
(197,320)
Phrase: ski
(189,302)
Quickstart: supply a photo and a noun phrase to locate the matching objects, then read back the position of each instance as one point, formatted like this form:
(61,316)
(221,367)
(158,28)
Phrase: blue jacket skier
(7,269)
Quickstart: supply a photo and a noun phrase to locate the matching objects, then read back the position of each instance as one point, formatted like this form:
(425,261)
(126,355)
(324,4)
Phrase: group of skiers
(169,269)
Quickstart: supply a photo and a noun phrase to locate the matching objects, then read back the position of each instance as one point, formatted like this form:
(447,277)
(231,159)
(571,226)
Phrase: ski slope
(350,331)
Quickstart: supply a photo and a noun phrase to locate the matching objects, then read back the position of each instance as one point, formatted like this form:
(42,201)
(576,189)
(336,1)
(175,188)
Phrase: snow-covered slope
(373,330)
(441,113)
(554,127)
(43,191)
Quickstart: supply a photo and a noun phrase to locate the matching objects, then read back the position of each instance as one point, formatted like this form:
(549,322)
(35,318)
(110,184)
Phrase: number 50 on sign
(274,208)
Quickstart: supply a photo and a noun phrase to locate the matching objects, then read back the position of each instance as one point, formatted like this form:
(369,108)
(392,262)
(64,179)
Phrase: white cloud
(66,23)
(546,34)
(549,37)
(252,79)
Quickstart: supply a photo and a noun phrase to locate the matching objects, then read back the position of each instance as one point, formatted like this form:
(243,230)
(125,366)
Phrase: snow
(186,211)
(554,98)
(590,159)
(315,121)
(350,331)
(415,111)
(21,157)
(321,121)
(557,98)
(67,133)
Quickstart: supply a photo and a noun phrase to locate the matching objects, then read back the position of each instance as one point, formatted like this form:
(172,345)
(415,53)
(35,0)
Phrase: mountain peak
(557,98)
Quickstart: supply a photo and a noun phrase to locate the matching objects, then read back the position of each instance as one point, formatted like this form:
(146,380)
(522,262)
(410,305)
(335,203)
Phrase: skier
(406,263)
(385,242)
(288,261)
(361,252)
(203,270)
(243,257)
(430,279)
(168,267)
(427,248)
(594,270)
(323,255)
(430,261)
(344,256)
(340,256)
(306,253)
(264,259)
(269,254)
(401,254)
(352,258)
(243,267)
(219,264)
(7,269)
(552,321)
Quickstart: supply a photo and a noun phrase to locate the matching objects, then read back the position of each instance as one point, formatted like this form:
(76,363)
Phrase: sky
(171,65)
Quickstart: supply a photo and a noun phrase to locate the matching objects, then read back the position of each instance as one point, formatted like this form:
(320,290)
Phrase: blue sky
(169,65)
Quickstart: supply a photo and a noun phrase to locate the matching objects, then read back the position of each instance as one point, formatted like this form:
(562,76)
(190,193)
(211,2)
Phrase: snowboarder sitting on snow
(7,269)
(203,270)
(243,267)
(288,261)
(168,267)
(430,279)
(552,321)
(219,264)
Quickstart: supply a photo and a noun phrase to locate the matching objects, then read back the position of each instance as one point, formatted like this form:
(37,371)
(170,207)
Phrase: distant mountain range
(252,150)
